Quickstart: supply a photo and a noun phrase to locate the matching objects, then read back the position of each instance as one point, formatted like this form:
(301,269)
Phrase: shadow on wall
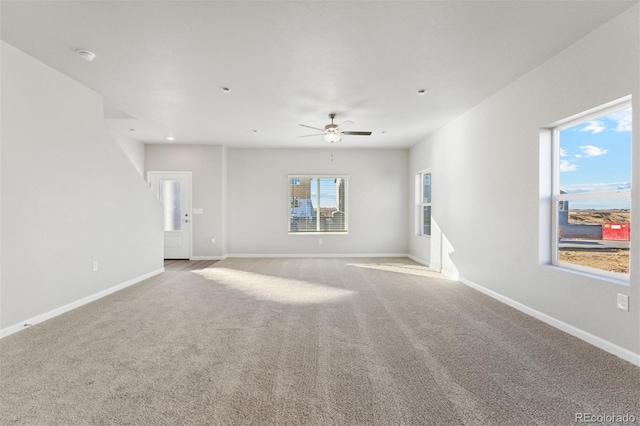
(441,252)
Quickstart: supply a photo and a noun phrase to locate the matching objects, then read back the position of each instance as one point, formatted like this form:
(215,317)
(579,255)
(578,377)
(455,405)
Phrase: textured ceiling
(161,64)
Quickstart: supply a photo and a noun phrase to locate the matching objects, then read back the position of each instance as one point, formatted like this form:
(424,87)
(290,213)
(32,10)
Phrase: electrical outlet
(95,265)
(320,241)
(623,302)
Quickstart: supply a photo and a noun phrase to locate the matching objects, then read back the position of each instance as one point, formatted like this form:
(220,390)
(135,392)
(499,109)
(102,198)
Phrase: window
(318,204)
(425,203)
(592,192)
(170,196)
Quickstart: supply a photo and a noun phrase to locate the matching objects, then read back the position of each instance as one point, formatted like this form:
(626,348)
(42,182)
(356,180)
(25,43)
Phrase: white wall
(206,164)
(134,151)
(258,204)
(486,184)
(70,196)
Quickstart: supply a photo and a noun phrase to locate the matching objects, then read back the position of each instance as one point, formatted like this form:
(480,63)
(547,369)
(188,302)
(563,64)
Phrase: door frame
(190,209)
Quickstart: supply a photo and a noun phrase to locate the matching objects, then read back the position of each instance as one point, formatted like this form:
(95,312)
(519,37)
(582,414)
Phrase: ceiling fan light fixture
(332,137)
(333,132)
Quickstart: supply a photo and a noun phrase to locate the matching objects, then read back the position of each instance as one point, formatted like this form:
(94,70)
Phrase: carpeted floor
(305,341)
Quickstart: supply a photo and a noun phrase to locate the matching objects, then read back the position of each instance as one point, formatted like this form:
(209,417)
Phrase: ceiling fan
(333,132)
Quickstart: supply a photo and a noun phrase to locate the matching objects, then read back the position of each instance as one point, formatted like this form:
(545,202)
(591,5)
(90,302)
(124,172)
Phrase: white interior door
(173,190)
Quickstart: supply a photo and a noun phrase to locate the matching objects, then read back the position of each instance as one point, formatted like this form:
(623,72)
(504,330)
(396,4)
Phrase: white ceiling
(161,64)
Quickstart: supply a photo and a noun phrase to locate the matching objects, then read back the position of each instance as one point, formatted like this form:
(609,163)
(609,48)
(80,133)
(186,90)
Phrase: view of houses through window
(592,192)
(317,204)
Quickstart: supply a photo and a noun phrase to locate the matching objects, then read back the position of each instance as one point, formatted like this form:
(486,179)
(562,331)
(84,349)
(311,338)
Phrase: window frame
(557,197)
(421,204)
(300,177)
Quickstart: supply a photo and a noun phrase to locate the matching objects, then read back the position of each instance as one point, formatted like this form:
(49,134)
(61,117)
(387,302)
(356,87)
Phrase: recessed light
(132,130)
(226,89)
(421,92)
(86,55)
(254,131)
(384,131)
(170,138)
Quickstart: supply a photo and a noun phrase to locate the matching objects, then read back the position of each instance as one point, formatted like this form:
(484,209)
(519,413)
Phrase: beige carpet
(305,341)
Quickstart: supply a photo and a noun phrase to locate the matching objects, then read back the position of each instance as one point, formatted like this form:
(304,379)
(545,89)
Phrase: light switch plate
(198,211)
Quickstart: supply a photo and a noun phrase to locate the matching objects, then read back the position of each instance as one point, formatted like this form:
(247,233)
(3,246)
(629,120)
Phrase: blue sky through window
(595,156)
(327,192)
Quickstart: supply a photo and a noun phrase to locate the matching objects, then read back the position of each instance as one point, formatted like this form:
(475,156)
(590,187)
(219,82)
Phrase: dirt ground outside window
(613,260)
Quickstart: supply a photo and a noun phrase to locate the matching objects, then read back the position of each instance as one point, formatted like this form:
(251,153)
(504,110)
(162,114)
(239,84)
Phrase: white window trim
(556,197)
(346,204)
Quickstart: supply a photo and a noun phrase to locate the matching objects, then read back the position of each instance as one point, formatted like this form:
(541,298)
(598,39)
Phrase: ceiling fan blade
(347,123)
(306,136)
(357,133)
(310,127)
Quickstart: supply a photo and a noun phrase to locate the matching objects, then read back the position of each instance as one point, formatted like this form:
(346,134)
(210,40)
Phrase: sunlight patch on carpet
(275,289)
(402,268)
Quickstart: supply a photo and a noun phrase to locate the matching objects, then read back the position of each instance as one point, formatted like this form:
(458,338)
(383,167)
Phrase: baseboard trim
(22,325)
(251,256)
(418,260)
(207,257)
(596,341)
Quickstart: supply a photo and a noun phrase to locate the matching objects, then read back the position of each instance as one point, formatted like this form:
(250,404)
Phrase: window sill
(619,281)
(318,233)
